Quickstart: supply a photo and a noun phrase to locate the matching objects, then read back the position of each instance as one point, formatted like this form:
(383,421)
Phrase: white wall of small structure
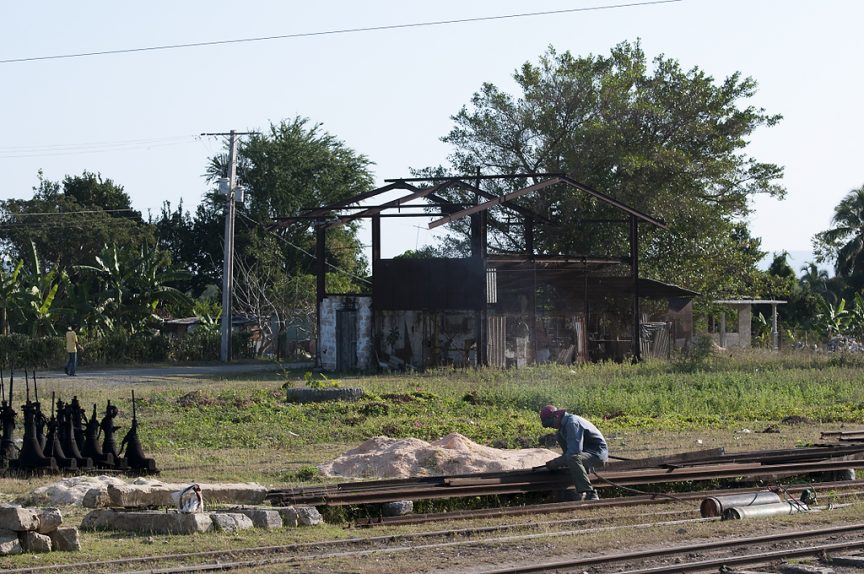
(328,336)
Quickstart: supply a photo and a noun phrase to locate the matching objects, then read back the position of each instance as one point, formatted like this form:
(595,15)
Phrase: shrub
(199,345)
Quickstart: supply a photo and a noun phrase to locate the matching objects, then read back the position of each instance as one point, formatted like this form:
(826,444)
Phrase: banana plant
(135,285)
(38,291)
(833,319)
(10,294)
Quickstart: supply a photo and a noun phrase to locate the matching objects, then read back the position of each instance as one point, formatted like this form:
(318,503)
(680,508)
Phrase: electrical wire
(636,490)
(87,148)
(85,211)
(338,31)
(301,250)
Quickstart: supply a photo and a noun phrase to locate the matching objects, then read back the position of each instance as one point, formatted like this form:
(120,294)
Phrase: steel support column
(376,259)
(634,267)
(320,285)
(478,253)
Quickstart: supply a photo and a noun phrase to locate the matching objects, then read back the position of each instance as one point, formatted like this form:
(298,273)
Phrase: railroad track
(689,558)
(837,488)
(737,552)
(531,481)
(365,546)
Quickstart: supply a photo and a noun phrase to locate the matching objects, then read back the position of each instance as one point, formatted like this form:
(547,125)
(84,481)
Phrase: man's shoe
(590,495)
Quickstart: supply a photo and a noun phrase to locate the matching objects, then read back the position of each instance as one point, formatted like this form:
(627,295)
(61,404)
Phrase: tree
(294,164)
(844,242)
(192,243)
(136,287)
(664,140)
(814,279)
(802,304)
(69,222)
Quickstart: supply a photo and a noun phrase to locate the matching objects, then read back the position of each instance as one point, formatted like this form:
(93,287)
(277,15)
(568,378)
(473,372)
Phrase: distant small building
(741,336)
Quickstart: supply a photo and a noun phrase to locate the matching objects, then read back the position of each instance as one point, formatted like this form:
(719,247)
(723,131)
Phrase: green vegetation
(499,407)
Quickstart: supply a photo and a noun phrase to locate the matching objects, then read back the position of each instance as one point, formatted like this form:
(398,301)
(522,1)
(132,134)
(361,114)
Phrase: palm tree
(814,279)
(845,240)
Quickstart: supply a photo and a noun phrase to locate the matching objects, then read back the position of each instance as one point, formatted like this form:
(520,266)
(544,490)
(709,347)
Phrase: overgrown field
(492,406)
(235,426)
(202,422)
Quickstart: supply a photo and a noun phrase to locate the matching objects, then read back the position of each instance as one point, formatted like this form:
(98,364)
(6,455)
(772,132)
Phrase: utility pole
(228,187)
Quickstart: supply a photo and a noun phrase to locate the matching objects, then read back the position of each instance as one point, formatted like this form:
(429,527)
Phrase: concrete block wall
(327,337)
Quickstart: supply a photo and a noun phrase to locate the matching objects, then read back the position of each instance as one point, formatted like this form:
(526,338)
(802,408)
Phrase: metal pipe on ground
(763,510)
(716,505)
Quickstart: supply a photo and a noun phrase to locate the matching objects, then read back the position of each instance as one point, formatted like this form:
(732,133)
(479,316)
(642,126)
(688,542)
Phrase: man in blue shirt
(583,446)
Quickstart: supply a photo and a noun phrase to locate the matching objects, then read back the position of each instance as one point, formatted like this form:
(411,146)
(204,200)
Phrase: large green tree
(292,165)
(69,222)
(668,141)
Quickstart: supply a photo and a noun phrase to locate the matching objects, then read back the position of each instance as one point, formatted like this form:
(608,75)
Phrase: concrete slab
(160,494)
(147,521)
(18,519)
(261,517)
(293,516)
(66,540)
(34,542)
(231,521)
(9,543)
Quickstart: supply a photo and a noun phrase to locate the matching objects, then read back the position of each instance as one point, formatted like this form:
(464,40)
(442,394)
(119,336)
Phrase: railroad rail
(689,564)
(300,552)
(746,552)
(759,465)
(839,488)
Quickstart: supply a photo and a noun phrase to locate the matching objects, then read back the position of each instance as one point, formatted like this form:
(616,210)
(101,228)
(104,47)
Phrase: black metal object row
(72,440)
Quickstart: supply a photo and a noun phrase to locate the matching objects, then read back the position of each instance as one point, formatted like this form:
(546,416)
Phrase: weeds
(491,406)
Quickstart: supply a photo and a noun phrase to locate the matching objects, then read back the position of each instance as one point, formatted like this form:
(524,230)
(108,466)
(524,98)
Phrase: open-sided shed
(500,309)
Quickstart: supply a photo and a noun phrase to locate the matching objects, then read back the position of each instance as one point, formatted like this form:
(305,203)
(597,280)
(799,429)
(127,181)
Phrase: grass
(491,406)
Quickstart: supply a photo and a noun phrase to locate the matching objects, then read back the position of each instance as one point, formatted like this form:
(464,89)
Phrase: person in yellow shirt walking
(72,349)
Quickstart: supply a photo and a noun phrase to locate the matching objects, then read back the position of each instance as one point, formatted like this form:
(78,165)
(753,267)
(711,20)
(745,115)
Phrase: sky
(390,94)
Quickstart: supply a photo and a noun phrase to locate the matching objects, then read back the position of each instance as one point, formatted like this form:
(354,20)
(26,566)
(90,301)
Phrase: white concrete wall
(327,337)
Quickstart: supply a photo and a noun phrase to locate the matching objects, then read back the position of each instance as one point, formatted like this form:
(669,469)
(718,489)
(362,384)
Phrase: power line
(86,148)
(83,211)
(301,250)
(338,31)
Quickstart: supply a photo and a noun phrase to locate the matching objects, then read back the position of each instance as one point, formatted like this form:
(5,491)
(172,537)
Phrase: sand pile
(383,457)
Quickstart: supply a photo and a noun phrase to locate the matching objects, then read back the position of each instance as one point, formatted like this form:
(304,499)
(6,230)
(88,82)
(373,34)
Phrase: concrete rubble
(173,522)
(230,521)
(261,517)
(397,508)
(34,542)
(34,530)
(73,490)
(147,521)
(148,494)
(65,540)
(293,516)
(108,491)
